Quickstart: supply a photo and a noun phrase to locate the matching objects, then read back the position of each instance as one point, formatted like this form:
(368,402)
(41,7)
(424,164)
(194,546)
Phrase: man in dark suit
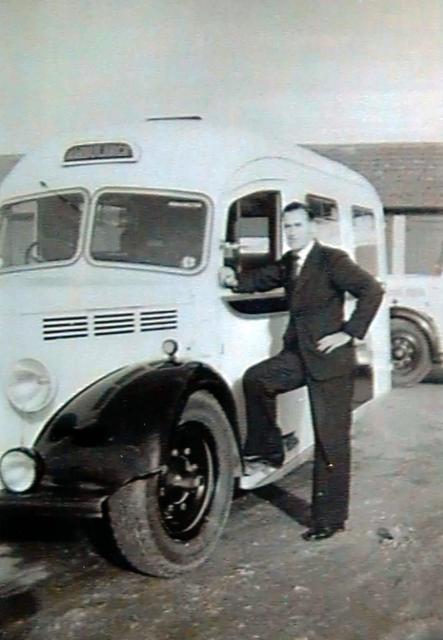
(318,351)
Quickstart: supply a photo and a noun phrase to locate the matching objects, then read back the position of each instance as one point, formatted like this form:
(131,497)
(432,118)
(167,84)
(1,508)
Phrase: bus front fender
(117,429)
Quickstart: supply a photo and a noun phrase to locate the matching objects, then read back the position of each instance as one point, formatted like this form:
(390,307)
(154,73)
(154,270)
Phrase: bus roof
(184,154)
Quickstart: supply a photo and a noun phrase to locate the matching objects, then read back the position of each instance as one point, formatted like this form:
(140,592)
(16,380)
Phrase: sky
(319,71)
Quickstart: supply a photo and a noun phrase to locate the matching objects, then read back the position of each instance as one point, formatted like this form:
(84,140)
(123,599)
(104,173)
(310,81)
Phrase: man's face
(299,229)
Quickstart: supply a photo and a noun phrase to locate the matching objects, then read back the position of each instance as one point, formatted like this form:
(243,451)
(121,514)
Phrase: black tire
(154,532)
(410,353)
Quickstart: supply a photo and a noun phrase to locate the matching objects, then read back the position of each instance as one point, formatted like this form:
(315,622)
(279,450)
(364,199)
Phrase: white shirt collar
(303,253)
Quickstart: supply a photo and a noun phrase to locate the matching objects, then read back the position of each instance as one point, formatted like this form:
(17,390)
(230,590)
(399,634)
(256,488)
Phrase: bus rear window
(149,229)
(39,231)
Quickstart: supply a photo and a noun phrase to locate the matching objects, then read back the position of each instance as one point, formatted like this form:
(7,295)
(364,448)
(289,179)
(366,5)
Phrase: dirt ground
(380,579)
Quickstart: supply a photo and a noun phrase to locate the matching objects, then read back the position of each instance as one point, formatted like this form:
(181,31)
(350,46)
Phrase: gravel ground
(380,579)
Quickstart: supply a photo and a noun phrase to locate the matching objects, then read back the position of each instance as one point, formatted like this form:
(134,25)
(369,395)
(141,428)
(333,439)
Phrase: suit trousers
(330,402)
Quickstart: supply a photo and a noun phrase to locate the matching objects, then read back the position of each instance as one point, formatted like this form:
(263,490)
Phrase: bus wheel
(169,523)
(411,358)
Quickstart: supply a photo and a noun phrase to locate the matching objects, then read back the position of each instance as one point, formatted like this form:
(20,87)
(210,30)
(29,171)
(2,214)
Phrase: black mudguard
(118,428)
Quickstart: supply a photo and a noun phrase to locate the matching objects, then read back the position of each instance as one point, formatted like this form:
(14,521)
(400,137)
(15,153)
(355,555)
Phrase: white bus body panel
(181,157)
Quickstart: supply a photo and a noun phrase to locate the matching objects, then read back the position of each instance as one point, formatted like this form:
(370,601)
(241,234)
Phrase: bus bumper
(48,501)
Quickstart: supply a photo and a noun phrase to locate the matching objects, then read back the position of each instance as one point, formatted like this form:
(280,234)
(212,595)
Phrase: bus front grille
(158,320)
(65,327)
(106,324)
(109,323)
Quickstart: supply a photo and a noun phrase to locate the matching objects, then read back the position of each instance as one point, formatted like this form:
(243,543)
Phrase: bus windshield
(151,229)
(40,230)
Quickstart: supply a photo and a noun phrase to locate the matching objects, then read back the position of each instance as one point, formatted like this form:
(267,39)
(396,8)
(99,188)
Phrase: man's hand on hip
(332,341)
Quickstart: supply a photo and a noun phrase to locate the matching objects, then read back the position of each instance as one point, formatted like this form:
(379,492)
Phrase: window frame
(275,239)
(52,264)
(364,211)
(310,197)
(137,266)
(260,303)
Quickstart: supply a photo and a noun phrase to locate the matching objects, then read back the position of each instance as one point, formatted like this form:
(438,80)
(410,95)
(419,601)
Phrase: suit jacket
(316,304)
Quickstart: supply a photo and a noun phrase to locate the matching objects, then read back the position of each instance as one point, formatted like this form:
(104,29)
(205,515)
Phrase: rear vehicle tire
(167,524)
(410,353)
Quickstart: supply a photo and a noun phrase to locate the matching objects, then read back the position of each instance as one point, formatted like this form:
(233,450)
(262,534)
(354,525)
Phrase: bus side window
(326,214)
(365,239)
(18,232)
(252,237)
(58,225)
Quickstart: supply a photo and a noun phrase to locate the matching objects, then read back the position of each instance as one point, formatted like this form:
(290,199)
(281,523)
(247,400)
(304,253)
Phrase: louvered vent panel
(158,320)
(65,327)
(106,324)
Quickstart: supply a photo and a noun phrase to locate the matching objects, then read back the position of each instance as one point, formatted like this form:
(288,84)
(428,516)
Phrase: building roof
(408,174)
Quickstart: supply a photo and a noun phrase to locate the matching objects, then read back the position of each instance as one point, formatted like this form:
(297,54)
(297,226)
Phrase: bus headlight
(29,387)
(20,469)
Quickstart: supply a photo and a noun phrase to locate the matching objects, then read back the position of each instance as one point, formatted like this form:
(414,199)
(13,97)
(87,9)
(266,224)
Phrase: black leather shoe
(321,533)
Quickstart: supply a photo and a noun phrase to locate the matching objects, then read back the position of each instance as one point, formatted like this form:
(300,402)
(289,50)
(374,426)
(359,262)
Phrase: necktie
(294,266)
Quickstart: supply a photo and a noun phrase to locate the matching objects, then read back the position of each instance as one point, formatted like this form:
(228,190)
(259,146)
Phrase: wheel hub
(186,488)
(404,354)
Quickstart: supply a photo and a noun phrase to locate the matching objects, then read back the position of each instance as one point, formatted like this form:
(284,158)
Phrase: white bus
(122,356)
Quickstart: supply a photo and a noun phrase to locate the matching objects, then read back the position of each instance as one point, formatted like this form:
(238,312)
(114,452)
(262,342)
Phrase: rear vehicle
(415,293)
(122,356)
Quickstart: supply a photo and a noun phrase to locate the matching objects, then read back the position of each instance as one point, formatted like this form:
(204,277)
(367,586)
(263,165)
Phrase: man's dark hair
(295,206)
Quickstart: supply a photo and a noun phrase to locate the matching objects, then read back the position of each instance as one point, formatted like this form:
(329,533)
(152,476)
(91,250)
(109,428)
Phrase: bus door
(255,323)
